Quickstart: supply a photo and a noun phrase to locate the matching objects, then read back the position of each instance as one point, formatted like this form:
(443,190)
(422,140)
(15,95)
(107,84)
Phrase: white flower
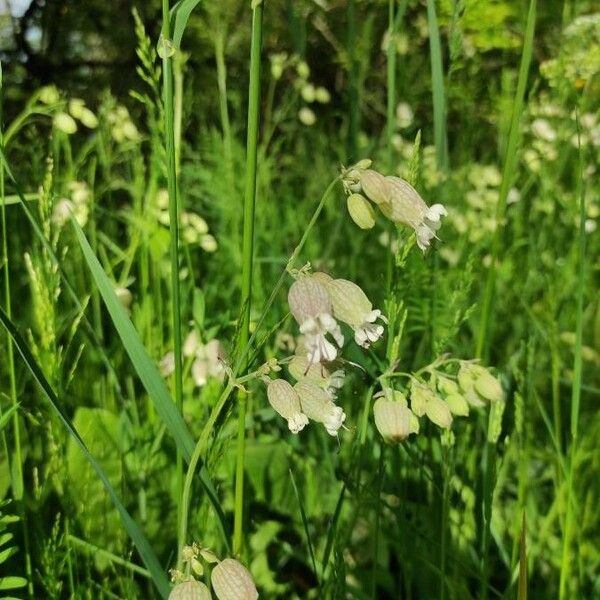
(351,305)
(209,362)
(166,365)
(404,115)
(310,305)
(317,405)
(301,369)
(286,402)
(392,419)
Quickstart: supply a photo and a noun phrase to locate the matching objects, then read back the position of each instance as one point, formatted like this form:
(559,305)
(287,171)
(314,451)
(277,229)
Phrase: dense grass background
(491,107)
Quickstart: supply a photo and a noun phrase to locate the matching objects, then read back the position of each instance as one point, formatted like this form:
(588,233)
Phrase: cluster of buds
(194,229)
(317,302)
(229,579)
(440,398)
(396,199)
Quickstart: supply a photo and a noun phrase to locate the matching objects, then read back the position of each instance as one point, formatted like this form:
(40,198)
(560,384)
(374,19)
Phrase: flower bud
(317,405)
(488,386)
(466,381)
(392,419)
(65,123)
(361,211)
(232,581)
(286,402)
(308,93)
(458,405)
(438,412)
(190,590)
(307,116)
(375,186)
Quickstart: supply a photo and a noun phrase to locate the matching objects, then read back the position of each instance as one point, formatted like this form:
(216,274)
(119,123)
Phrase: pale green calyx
(190,590)
(394,420)
(361,211)
(317,405)
(286,402)
(232,581)
(310,305)
(351,305)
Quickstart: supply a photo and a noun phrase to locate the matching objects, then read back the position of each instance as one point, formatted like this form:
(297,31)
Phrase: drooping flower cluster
(229,579)
(396,199)
(440,398)
(317,302)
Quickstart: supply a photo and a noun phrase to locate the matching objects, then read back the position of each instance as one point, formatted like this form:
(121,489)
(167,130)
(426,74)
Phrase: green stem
(510,161)
(353,74)
(391,82)
(576,389)
(17,462)
(167,64)
(247,259)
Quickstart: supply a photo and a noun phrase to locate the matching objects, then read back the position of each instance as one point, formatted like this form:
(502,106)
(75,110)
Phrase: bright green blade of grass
(522,588)
(146,369)
(508,172)
(137,536)
(180,14)
(305,525)
(6,416)
(437,83)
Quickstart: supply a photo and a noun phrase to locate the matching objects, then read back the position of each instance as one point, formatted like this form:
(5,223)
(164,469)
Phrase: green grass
(146,259)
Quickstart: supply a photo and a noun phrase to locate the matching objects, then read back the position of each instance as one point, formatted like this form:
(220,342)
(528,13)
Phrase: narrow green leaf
(180,14)
(139,539)
(522,588)
(146,369)
(6,416)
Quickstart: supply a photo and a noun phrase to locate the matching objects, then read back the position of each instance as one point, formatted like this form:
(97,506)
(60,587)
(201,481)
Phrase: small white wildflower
(513,196)
(286,402)
(191,344)
(590,226)
(542,129)
(232,581)
(301,369)
(209,362)
(166,365)
(317,405)
(61,212)
(406,206)
(310,305)
(404,115)
(190,590)
(351,305)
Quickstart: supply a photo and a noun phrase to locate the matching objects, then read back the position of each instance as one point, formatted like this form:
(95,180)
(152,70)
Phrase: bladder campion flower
(232,581)
(406,206)
(393,419)
(286,402)
(361,211)
(190,590)
(310,305)
(317,405)
(301,369)
(351,305)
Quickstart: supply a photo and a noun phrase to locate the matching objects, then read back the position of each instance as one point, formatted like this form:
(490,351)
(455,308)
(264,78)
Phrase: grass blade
(180,14)
(305,525)
(146,369)
(137,536)
(522,588)
(510,163)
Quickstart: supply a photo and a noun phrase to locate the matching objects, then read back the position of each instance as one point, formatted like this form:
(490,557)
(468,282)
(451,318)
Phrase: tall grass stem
(247,258)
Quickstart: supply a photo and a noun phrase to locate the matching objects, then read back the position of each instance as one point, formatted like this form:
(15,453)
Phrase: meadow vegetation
(311,310)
